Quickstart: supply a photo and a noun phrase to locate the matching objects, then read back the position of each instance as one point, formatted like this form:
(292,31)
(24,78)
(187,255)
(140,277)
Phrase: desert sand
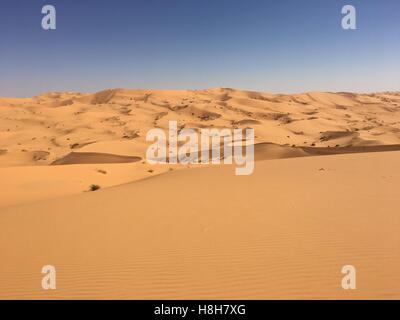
(323,195)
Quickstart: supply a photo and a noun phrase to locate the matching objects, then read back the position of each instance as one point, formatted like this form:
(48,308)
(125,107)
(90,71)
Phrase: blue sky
(275,46)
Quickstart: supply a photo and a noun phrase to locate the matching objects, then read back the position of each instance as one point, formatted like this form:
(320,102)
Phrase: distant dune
(323,195)
(43,129)
(110,127)
(92,157)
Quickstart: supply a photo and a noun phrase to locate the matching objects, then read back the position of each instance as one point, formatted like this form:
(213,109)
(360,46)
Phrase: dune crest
(110,126)
(283,233)
(77,193)
(59,123)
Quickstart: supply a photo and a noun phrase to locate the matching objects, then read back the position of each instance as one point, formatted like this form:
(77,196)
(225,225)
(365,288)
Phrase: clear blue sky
(266,45)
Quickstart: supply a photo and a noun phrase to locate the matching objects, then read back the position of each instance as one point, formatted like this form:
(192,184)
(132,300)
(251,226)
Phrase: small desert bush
(94,187)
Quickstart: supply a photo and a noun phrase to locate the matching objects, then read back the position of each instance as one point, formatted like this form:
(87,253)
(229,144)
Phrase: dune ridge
(110,126)
(282,233)
(56,124)
(323,195)
(93,158)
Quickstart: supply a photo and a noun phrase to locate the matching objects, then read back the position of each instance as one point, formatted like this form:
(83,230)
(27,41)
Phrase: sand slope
(325,198)
(284,232)
(110,127)
(42,129)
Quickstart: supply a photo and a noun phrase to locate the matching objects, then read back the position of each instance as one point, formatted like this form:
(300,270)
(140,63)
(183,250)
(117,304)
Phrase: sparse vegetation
(94,187)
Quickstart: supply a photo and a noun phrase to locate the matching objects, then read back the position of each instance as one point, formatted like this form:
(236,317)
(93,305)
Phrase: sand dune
(284,232)
(76,128)
(56,124)
(93,157)
(326,197)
